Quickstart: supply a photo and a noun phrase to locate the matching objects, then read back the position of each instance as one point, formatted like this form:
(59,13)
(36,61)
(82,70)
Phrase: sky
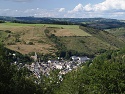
(64,8)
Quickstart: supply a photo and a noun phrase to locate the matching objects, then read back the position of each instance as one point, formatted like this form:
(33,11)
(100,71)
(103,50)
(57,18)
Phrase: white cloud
(87,7)
(109,5)
(108,8)
(78,8)
(37,8)
(61,9)
(104,6)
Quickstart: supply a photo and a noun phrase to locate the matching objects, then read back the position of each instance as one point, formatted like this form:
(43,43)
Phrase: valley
(49,58)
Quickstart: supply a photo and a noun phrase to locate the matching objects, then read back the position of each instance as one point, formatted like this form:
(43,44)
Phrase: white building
(83,59)
(58,66)
(74,58)
(80,59)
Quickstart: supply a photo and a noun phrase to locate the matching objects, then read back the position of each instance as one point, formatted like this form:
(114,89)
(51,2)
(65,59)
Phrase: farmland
(26,38)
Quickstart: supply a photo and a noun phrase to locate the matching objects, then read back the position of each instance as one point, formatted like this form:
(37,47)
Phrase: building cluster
(44,68)
(64,66)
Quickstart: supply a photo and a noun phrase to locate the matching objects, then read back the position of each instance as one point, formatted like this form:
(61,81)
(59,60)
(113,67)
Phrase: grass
(22,34)
(88,44)
(3,35)
(47,25)
(88,40)
(117,31)
(65,30)
(63,26)
(69,32)
(19,24)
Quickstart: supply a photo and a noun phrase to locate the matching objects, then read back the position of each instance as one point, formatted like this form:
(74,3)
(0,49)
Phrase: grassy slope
(89,45)
(67,31)
(87,40)
(92,44)
(119,32)
(23,34)
(106,37)
(3,35)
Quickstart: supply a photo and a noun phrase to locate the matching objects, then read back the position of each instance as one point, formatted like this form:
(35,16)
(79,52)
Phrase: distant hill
(98,23)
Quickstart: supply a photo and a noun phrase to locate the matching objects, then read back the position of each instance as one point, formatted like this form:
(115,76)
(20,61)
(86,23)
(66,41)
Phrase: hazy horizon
(112,9)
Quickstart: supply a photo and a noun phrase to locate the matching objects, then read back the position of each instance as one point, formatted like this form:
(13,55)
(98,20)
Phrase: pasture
(70,32)
(26,38)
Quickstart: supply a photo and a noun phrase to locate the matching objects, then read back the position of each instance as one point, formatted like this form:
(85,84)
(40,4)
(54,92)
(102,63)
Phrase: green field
(63,30)
(69,32)
(22,34)
(19,24)
(47,25)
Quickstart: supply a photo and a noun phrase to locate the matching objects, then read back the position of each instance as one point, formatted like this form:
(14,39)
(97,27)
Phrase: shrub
(7,31)
(30,43)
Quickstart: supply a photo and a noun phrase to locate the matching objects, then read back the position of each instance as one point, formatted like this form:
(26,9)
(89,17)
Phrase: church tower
(35,57)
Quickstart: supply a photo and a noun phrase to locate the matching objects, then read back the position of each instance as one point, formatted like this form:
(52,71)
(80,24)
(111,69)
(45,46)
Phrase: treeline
(43,22)
(104,24)
(97,25)
(2,21)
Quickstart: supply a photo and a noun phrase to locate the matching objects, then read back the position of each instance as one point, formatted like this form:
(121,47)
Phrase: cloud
(87,7)
(61,9)
(78,8)
(106,9)
(107,5)
(104,6)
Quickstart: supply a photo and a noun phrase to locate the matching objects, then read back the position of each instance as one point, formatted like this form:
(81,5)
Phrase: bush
(30,43)
(7,31)
(40,41)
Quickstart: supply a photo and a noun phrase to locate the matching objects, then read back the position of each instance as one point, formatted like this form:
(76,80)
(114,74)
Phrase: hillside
(119,32)
(94,43)
(50,38)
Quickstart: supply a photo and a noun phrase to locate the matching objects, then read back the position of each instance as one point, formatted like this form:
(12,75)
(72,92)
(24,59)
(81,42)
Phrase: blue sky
(64,8)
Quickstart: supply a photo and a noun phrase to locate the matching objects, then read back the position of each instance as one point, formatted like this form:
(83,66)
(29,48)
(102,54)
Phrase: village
(64,66)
